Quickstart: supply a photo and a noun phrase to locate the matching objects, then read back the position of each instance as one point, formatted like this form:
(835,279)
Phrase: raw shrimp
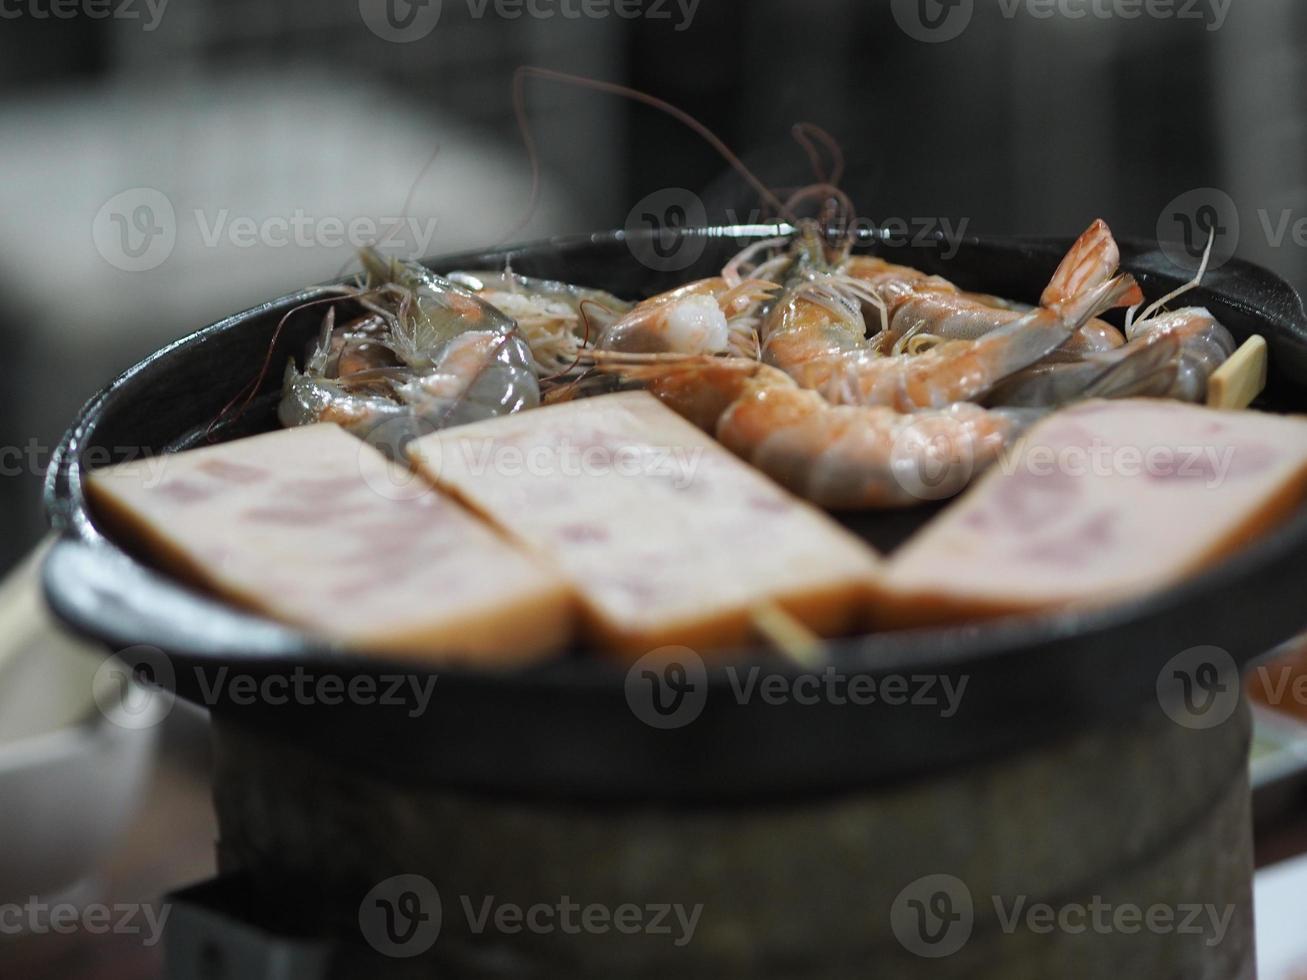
(428,354)
(711,316)
(837,456)
(815,334)
(557,319)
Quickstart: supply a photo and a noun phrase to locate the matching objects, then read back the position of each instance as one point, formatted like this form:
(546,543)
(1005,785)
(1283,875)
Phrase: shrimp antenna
(1176,293)
(804,133)
(528,139)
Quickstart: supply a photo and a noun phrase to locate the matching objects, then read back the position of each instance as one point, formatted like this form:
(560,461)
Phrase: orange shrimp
(838,456)
(815,334)
(921,309)
(1171,355)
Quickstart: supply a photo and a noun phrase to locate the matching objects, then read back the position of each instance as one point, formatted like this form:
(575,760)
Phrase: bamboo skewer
(789,636)
(1237,383)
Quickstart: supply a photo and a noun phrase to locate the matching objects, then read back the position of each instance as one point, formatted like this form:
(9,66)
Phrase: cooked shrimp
(1167,355)
(813,334)
(837,456)
(557,319)
(710,316)
(429,354)
(1171,355)
(920,306)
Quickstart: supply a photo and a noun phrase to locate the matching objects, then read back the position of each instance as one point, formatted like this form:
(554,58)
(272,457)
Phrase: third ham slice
(1102,501)
(667,537)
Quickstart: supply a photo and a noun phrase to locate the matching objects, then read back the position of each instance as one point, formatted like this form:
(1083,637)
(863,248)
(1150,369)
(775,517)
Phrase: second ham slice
(1103,501)
(667,537)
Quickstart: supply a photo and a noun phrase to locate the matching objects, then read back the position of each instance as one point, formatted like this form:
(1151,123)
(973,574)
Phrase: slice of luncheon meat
(1102,501)
(667,537)
(317,529)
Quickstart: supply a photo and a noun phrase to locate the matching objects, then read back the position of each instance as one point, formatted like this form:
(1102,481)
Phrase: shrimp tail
(1097,300)
(1092,259)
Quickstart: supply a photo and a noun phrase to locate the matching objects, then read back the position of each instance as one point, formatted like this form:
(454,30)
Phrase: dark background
(248,108)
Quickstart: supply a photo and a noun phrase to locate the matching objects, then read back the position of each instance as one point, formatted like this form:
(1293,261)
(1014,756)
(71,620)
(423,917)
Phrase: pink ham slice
(667,537)
(315,528)
(1102,501)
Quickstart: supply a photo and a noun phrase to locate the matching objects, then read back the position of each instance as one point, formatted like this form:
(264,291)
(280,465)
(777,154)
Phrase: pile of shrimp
(854,382)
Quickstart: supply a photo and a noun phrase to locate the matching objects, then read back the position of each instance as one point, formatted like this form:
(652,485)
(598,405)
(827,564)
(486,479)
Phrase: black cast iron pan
(567,730)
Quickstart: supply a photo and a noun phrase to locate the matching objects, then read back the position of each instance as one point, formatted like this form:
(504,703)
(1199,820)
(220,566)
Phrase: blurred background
(166,163)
